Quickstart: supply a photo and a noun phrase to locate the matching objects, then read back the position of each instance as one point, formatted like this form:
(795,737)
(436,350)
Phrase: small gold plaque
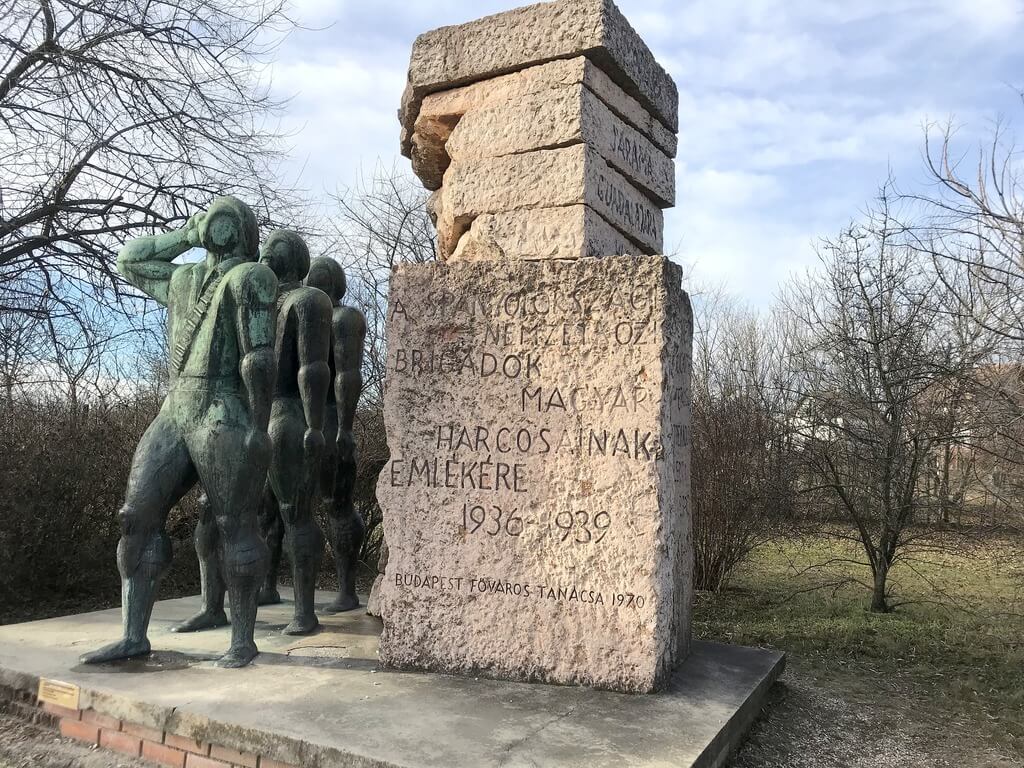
(62,694)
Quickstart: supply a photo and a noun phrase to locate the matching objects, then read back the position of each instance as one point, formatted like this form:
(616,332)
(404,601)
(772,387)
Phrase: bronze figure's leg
(207,539)
(232,462)
(272,531)
(161,474)
(328,470)
(292,479)
(346,526)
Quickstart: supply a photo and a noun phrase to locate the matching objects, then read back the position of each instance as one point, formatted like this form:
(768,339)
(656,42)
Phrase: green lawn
(958,643)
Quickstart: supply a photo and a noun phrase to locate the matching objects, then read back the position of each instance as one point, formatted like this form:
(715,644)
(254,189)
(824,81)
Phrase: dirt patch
(23,745)
(825,719)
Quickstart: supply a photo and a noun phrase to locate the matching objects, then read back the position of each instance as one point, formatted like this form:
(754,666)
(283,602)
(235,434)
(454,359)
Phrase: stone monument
(537,396)
(212,426)
(340,462)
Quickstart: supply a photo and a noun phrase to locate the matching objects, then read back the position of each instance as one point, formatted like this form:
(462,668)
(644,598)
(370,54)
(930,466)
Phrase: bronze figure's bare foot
(301,626)
(201,621)
(342,604)
(237,657)
(268,596)
(123,649)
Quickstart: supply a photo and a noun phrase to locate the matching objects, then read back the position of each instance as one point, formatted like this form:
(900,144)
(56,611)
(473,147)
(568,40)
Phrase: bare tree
(21,349)
(378,224)
(742,457)
(119,117)
(972,229)
(878,359)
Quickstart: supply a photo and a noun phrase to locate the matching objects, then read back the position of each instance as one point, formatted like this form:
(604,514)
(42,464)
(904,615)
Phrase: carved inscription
(530,427)
(639,216)
(509,342)
(632,152)
(535,591)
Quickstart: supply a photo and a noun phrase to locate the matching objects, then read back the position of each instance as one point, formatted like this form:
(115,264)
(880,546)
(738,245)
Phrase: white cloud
(791,111)
(997,18)
(341,114)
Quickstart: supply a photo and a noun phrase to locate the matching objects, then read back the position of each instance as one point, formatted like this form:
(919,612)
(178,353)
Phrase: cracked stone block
(442,110)
(536,498)
(452,56)
(575,175)
(562,118)
(569,232)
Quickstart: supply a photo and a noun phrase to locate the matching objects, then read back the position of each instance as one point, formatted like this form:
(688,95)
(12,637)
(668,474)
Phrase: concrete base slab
(323,701)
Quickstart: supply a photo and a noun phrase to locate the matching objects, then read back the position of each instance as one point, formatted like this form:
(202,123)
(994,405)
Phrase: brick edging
(150,744)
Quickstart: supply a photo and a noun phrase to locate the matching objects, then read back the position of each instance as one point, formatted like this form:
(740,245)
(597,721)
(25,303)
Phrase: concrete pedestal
(322,701)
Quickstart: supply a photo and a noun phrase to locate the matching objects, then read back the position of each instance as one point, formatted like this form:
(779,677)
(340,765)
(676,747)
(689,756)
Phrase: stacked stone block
(564,114)
(537,391)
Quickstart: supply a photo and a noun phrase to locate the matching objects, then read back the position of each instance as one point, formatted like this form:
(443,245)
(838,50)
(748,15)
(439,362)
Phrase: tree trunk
(879,603)
(944,491)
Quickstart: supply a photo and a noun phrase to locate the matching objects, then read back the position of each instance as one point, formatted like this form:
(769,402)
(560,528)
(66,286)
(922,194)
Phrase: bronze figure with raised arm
(212,426)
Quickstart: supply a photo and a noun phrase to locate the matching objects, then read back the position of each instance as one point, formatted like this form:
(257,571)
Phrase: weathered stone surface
(449,230)
(629,109)
(561,118)
(373,601)
(444,108)
(545,179)
(569,232)
(495,45)
(536,500)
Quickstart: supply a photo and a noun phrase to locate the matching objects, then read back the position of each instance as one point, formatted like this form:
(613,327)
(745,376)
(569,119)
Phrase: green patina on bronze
(212,426)
(297,418)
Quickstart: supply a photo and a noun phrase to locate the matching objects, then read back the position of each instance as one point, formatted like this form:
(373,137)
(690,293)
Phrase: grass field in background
(957,642)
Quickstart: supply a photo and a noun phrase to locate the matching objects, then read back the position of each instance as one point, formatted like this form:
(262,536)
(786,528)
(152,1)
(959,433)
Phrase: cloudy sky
(791,113)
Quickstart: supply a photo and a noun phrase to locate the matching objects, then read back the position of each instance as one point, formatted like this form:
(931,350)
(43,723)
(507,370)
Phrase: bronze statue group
(265,375)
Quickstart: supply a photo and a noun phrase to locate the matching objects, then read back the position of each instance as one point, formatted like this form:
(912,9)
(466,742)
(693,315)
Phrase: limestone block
(546,179)
(570,232)
(429,156)
(444,108)
(373,601)
(449,230)
(557,119)
(535,502)
(495,45)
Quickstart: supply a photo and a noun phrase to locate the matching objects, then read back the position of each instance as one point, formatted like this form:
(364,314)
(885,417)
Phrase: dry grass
(951,656)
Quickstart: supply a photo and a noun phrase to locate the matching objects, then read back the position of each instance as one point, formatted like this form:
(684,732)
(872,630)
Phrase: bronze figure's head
(229,229)
(287,254)
(327,275)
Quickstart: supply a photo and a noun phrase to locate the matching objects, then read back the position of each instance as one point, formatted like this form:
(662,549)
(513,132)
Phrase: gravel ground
(851,720)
